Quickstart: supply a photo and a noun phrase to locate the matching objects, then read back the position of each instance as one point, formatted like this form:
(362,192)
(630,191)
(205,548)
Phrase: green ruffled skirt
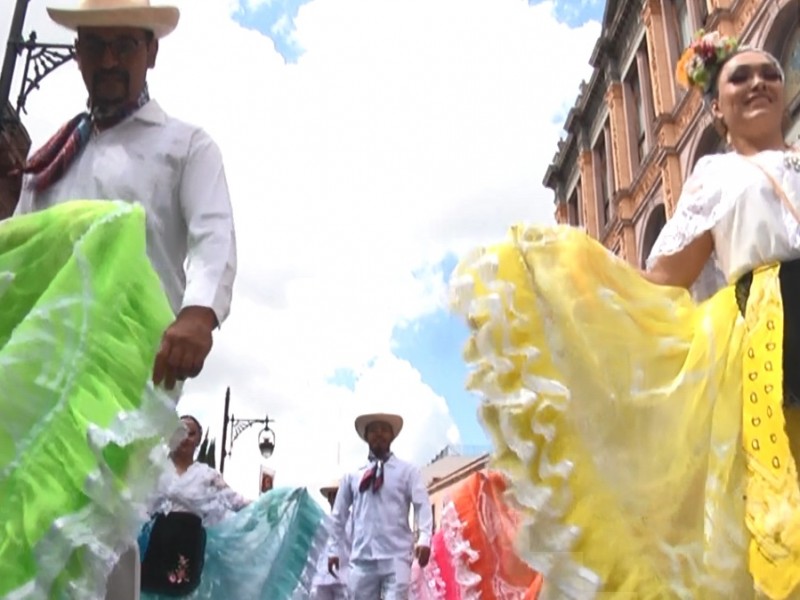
(82,429)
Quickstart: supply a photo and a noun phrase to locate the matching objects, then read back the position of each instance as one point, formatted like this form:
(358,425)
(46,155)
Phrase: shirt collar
(151,113)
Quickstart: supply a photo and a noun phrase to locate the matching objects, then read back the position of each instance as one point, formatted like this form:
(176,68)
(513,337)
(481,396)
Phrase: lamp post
(266,439)
(41,59)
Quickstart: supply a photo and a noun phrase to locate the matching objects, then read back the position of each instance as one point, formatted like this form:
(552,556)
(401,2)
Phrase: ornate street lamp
(41,59)
(266,439)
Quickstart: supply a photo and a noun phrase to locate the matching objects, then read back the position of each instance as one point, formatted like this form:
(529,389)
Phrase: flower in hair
(701,61)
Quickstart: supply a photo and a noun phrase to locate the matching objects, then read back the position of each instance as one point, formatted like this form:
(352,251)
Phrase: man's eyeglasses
(95,48)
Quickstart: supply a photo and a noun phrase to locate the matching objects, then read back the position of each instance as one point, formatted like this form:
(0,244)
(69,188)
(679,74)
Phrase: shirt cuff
(217,313)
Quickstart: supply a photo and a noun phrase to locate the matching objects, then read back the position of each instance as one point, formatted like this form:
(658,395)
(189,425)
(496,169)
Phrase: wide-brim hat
(330,488)
(394,421)
(139,14)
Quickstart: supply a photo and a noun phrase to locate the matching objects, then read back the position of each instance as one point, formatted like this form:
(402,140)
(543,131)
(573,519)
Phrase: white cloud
(406,130)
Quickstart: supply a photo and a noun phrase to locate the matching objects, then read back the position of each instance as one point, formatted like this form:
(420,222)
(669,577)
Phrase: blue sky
(432,344)
(577,12)
(275,19)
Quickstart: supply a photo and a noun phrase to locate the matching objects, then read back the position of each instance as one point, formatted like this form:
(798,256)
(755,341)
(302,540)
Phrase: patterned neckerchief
(373,477)
(51,161)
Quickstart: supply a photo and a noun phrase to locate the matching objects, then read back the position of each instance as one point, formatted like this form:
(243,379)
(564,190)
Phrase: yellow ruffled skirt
(645,435)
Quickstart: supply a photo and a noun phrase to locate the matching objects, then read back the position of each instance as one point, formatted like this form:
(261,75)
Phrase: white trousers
(330,592)
(380,580)
(124,582)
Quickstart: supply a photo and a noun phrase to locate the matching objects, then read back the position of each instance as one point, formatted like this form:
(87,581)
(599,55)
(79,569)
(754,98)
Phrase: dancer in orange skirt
(473,553)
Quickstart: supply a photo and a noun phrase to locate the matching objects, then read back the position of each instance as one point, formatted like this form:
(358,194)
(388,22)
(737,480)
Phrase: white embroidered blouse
(200,490)
(730,196)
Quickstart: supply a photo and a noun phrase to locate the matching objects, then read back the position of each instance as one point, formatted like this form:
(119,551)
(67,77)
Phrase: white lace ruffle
(461,553)
(699,209)
(701,206)
(548,540)
(108,526)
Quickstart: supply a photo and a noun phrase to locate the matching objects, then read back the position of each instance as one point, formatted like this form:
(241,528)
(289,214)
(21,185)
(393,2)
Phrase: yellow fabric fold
(616,409)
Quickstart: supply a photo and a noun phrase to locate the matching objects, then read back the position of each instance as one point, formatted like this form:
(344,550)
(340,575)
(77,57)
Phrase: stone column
(658,52)
(745,11)
(562,212)
(621,150)
(588,196)
(672,183)
(629,250)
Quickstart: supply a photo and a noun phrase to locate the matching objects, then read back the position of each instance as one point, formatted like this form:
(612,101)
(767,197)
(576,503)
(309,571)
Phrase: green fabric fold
(82,429)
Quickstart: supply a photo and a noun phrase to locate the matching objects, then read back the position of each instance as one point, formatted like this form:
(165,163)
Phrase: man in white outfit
(380,495)
(126,147)
(327,586)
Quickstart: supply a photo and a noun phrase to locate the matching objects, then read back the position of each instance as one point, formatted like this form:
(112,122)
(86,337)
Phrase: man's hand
(333,565)
(423,554)
(184,346)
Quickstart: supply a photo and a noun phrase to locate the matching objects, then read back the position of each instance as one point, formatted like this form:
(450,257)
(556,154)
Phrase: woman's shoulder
(202,470)
(711,175)
(711,165)
(726,167)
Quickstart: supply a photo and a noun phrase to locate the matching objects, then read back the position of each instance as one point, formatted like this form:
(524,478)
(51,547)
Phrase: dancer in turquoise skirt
(207,542)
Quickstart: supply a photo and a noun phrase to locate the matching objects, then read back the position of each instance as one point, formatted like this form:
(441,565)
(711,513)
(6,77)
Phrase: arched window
(710,143)
(791,64)
(655,223)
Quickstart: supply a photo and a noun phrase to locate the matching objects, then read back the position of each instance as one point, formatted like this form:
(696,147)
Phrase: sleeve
(699,209)
(206,205)
(422,507)
(230,498)
(25,202)
(340,517)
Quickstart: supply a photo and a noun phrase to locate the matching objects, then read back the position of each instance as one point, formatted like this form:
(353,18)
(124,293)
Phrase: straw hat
(394,421)
(161,20)
(330,488)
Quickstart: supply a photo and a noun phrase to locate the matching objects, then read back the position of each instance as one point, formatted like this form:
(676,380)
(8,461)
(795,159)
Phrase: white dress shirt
(174,170)
(381,529)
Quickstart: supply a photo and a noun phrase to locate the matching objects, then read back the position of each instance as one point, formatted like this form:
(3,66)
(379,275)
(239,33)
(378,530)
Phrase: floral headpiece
(702,60)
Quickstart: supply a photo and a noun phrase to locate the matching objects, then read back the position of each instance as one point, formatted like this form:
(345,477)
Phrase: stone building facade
(14,146)
(440,488)
(633,134)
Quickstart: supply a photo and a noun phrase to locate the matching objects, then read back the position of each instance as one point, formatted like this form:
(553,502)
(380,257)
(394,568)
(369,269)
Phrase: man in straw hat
(380,495)
(327,586)
(125,146)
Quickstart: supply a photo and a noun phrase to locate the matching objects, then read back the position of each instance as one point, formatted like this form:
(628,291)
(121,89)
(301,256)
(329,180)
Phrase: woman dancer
(655,440)
(207,542)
